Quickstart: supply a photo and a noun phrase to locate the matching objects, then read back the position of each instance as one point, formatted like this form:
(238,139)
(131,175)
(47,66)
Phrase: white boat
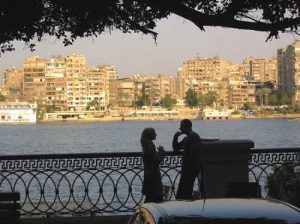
(18,112)
(215,114)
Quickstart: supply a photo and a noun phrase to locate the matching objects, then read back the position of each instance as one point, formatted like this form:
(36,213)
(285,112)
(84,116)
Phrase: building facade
(264,70)
(289,69)
(13,83)
(206,69)
(34,83)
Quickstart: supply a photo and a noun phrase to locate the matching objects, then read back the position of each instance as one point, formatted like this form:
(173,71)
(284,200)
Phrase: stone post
(225,161)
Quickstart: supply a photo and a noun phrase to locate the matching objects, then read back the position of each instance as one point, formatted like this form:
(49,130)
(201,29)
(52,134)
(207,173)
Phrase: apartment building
(13,83)
(264,70)
(164,83)
(34,83)
(240,92)
(193,84)
(200,68)
(271,71)
(76,82)
(109,73)
(236,72)
(138,88)
(178,88)
(97,86)
(218,87)
(56,91)
(289,69)
(158,86)
(152,89)
(122,92)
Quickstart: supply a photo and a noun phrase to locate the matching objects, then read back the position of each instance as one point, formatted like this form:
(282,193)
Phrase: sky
(177,40)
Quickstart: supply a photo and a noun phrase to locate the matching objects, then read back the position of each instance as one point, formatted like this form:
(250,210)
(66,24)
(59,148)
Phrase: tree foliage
(168,102)
(249,106)
(143,100)
(208,99)
(2,97)
(191,98)
(284,98)
(93,103)
(273,99)
(121,98)
(283,184)
(31,20)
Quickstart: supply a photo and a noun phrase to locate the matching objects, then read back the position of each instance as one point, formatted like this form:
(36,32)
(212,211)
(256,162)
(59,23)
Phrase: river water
(123,136)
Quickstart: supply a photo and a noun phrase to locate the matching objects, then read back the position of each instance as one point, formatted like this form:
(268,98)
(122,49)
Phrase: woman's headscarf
(147,135)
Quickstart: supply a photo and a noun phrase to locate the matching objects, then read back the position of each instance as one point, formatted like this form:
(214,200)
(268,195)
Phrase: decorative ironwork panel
(106,182)
(71,163)
(264,162)
(82,183)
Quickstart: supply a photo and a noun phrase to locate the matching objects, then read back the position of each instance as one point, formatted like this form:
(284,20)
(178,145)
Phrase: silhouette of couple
(191,162)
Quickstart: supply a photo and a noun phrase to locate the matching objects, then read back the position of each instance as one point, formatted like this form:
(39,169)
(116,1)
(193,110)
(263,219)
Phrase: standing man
(191,160)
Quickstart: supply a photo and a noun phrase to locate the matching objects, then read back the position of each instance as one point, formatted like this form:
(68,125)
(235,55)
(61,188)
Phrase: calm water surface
(124,136)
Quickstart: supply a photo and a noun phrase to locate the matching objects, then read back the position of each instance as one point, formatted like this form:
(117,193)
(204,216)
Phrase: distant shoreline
(112,119)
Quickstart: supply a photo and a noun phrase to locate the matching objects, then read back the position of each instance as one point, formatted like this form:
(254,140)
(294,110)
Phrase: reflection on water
(124,136)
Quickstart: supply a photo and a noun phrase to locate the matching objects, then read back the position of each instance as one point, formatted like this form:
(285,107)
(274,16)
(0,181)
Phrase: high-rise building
(236,72)
(289,69)
(97,87)
(264,70)
(109,73)
(34,84)
(76,82)
(220,88)
(178,88)
(56,91)
(240,92)
(122,92)
(200,68)
(13,83)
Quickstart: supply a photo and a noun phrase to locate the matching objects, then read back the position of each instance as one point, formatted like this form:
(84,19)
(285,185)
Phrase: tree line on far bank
(268,100)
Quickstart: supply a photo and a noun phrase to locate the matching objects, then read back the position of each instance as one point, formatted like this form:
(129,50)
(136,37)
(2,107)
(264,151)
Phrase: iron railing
(265,161)
(102,183)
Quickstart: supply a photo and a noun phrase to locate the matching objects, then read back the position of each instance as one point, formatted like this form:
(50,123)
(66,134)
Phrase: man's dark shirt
(191,146)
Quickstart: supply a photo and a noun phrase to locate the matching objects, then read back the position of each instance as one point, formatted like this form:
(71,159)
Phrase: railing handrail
(275,150)
(79,155)
(123,154)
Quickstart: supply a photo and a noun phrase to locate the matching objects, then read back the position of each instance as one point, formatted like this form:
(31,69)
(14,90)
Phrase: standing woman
(152,185)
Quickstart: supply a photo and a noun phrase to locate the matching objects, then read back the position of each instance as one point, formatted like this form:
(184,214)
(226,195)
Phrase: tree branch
(126,18)
(201,20)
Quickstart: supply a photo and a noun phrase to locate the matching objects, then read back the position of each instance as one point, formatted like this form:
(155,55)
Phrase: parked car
(227,210)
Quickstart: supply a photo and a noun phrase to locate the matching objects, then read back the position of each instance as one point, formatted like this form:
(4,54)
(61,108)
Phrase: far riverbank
(164,118)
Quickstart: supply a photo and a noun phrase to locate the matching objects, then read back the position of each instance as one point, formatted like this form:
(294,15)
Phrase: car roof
(232,208)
